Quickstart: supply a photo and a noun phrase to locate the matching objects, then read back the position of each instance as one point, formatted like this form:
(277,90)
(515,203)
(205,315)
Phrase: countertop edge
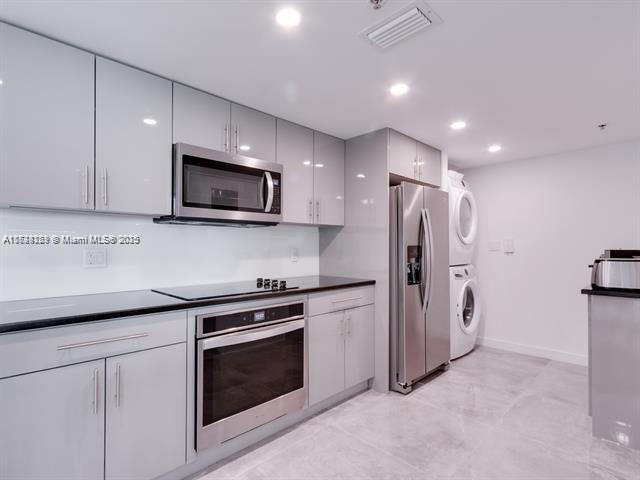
(133,312)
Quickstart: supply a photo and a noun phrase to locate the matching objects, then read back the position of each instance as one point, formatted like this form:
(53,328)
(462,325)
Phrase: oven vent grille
(401,25)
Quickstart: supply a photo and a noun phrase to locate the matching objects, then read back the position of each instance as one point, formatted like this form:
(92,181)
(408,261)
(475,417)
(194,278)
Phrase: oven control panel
(224,322)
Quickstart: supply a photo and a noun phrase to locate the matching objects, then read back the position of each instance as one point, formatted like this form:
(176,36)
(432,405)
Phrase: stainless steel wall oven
(251,368)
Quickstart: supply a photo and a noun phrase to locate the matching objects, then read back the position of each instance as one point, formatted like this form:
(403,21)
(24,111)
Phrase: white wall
(169,255)
(562,211)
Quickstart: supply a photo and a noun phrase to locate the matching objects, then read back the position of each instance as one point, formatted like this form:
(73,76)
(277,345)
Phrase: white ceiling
(534,76)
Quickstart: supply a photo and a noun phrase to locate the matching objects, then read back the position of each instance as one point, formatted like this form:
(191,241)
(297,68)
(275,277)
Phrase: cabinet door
(359,345)
(430,164)
(200,119)
(146,413)
(326,356)
(253,134)
(402,155)
(295,153)
(133,140)
(46,122)
(328,158)
(53,423)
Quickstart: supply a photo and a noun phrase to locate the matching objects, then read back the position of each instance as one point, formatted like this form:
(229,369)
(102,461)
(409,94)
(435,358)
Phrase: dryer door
(468,307)
(466,217)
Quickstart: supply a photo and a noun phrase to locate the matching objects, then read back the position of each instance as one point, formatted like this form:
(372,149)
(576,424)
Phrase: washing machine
(463,220)
(466,310)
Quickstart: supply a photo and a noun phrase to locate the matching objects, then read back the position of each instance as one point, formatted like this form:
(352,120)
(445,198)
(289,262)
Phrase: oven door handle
(251,335)
(269,202)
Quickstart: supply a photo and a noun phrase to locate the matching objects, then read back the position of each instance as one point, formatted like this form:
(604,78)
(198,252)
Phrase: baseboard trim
(534,351)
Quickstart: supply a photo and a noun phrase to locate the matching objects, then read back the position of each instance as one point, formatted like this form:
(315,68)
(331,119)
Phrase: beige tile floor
(493,415)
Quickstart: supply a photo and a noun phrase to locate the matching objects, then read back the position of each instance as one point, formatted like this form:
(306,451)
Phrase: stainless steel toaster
(619,269)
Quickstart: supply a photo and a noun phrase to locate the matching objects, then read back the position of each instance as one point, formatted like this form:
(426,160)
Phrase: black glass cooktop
(221,290)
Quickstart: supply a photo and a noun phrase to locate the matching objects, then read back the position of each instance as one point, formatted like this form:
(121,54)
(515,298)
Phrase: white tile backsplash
(169,255)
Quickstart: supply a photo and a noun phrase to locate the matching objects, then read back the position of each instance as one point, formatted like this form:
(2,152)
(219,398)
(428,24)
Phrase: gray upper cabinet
(430,165)
(295,153)
(253,133)
(201,119)
(402,155)
(46,122)
(328,159)
(146,413)
(52,423)
(133,140)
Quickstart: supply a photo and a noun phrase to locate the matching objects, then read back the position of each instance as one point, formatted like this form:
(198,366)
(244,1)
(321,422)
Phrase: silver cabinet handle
(347,300)
(226,137)
(415,167)
(420,167)
(348,325)
(105,198)
(117,385)
(237,138)
(86,184)
(95,390)
(310,209)
(99,342)
(318,211)
(342,329)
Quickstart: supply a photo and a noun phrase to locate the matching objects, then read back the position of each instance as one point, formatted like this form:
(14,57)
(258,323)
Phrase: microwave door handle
(251,335)
(269,201)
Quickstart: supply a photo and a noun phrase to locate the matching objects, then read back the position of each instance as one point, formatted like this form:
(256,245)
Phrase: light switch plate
(494,246)
(293,254)
(508,246)
(95,257)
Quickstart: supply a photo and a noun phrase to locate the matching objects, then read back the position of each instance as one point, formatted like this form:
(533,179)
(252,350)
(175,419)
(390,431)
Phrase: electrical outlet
(95,257)
(494,246)
(293,254)
(509,246)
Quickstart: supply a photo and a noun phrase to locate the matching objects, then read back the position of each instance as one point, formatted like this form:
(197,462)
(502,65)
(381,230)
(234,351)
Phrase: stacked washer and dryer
(465,302)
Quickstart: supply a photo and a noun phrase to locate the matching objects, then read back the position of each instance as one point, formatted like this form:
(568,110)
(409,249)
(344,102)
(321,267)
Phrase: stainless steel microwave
(212,187)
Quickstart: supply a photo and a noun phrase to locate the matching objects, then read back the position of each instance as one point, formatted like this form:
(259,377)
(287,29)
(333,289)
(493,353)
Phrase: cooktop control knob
(283,284)
(267,283)
(259,282)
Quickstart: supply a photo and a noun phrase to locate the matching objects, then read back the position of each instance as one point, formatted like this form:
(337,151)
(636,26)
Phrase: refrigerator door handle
(427,258)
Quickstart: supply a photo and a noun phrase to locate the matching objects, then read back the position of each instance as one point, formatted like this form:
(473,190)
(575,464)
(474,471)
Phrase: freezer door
(436,266)
(411,335)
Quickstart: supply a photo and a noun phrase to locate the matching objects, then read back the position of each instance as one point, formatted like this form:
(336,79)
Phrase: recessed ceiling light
(1,82)
(150,121)
(306,162)
(319,165)
(288,17)
(459,125)
(399,89)
(361,175)
(244,148)
(494,148)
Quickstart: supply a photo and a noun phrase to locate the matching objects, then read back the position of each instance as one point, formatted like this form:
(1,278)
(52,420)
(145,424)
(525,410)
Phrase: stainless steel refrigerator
(419,303)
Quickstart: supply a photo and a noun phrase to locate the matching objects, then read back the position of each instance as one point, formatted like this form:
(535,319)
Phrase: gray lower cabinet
(145,413)
(46,122)
(341,349)
(201,119)
(326,356)
(295,153)
(253,133)
(133,140)
(52,423)
(359,341)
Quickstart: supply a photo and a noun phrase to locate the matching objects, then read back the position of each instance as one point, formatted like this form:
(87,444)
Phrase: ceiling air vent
(402,24)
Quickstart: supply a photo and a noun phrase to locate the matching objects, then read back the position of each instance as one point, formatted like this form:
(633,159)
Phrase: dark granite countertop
(20,315)
(609,292)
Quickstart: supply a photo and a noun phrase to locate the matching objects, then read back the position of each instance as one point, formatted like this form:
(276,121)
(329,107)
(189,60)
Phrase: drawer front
(25,352)
(333,301)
